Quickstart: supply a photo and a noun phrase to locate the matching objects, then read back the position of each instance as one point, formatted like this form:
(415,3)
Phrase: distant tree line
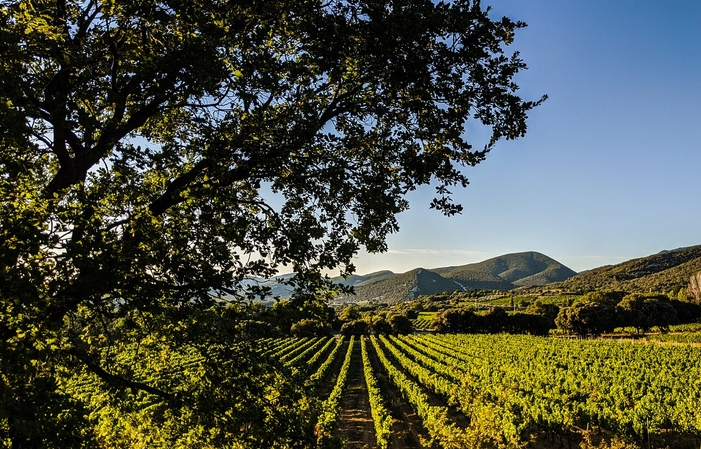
(356,322)
(601,312)
(592,314)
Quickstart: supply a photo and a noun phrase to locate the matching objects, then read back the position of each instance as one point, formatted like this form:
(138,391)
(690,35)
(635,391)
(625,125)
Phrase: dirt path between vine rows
(407,429)
(356,428)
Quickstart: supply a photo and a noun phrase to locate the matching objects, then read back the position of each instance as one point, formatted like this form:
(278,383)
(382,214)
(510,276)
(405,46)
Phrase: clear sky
(610,168)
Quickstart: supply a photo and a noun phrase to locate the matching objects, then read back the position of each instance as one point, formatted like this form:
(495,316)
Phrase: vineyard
(498,391)
(424,321)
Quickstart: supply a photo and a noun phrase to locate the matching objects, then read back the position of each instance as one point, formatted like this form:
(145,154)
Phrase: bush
(586,318)
(356,327)
(310,328)
(401,324)
(645,312)
(454,321)
(526,323)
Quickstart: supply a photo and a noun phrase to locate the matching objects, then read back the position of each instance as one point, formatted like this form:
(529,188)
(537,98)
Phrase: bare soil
(356,428)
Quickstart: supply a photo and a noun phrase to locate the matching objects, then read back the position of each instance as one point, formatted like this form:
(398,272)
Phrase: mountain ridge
(665,271)
(498,273)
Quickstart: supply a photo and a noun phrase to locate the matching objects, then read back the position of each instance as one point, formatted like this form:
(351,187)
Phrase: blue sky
(611,166)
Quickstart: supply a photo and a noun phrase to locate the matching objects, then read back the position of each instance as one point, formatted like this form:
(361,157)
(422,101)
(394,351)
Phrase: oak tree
(647,311)
(586,318)
(156,156)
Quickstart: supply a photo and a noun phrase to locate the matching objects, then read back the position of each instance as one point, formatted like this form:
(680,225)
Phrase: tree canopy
(647,311)
(156,156)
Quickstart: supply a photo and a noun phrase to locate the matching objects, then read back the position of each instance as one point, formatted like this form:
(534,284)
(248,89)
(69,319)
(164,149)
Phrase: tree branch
(118,381)
(171,196)
(74,170)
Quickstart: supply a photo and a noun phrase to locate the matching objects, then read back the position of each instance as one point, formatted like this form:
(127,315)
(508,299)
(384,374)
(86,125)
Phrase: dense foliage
(382,419)
(496,320)
(593,313)
(601,312)
(158,157)
(561,385)
(502,391)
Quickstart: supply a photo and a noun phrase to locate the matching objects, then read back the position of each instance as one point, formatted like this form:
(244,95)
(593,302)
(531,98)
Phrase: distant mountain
(505,272)
(500,273)
(665,271)
(403,286)
(356,279)
(277,287)
(662,272)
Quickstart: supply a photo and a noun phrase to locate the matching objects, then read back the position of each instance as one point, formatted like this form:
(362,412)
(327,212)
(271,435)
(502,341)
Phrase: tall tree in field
(155,154)
(647,311)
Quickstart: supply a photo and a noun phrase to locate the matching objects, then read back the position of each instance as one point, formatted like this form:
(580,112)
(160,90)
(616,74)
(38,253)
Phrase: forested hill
(505,272)
(500,273)
(662,272)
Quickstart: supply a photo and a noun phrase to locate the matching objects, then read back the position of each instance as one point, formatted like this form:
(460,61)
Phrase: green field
(521,391)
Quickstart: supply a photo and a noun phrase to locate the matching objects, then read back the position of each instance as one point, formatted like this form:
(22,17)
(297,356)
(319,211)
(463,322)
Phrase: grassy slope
(665,271)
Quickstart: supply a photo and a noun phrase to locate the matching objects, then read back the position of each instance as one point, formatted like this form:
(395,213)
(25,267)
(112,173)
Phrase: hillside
(359,279)
(508,271)
(500,273)
(662,272)
(404,286)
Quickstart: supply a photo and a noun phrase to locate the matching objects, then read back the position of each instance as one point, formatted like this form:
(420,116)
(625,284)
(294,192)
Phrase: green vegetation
(434,418)
(595,313)
(375,320)
(331,407)
(510,391)
(689,327)
(423,320)
(568,385)
(508,271)
(690,338)
(380,415)
(159,160)
(518,277)
(248,397)
(314,379)
(663,272)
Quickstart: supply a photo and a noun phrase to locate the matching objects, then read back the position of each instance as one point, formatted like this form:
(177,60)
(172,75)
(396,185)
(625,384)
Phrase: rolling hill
(359,279)
(505,272)
(661,272)
(500,273)
(403,286)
